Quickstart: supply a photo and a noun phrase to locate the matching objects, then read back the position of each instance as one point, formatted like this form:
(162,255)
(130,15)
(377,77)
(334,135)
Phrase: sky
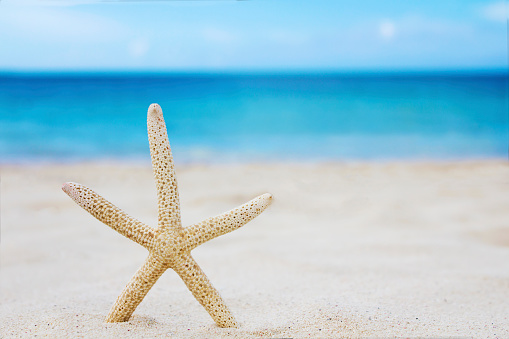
(39,35)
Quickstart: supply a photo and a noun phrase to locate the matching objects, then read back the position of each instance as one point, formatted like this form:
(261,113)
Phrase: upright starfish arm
(110,214)
(213,227)
(136,289)
(203,291)
(164,171)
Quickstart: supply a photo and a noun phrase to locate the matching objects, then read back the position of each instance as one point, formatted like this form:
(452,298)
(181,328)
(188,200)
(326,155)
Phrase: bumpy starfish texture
(169,244)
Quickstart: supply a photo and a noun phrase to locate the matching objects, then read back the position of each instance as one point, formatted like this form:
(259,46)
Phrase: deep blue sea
(254,117)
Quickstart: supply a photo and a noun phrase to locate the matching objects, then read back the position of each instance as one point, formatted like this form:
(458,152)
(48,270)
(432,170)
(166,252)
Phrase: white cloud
(387,29)
(497,11)
(56,24)
(419,27)
(138,47)
(43,3)
(70,34)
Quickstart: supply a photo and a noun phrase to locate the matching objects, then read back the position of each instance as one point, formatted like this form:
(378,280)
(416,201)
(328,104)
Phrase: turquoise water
(235,117)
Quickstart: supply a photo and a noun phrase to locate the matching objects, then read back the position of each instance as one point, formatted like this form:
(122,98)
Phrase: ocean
(214,117)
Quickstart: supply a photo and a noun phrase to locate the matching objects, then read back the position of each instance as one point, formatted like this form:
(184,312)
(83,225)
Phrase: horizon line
(268,71)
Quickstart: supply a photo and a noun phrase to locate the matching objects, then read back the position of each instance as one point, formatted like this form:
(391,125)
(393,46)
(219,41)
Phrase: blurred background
(254,80)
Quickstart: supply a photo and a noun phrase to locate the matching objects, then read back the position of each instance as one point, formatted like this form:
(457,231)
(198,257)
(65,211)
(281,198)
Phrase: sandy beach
(346,249)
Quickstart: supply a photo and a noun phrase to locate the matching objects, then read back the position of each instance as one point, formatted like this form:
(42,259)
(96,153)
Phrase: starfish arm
(136,289)
(213,227)
(110,214)
(202,289)
(164,171)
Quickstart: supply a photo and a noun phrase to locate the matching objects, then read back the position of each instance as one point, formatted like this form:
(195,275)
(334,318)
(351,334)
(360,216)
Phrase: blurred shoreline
(187,163)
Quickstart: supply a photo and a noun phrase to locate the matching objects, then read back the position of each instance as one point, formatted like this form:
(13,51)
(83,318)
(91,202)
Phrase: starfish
(169,245)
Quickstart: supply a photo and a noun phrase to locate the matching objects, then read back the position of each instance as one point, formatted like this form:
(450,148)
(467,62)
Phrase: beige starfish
(169,244)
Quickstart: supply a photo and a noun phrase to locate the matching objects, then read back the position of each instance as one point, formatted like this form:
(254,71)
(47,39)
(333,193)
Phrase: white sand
(395,249)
